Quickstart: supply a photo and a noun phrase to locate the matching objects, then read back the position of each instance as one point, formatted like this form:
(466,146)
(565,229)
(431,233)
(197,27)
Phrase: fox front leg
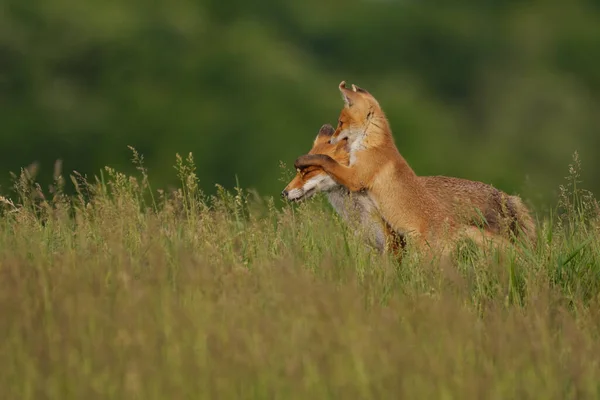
(345,176)
(313,160)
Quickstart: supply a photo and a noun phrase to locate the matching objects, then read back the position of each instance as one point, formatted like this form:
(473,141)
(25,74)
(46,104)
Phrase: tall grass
(122,291)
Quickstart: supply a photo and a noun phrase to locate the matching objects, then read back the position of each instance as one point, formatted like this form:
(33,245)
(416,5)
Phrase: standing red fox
(405,202)
(470,202)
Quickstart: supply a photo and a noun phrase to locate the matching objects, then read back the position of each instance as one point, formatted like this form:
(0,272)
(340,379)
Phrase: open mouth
(306,195)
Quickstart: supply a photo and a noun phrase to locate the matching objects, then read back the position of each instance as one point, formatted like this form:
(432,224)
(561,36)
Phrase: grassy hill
(125,291)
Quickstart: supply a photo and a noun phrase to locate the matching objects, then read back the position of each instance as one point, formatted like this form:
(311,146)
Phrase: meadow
(124,291)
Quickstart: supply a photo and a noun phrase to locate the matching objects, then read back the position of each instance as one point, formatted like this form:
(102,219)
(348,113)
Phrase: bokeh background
(499,91)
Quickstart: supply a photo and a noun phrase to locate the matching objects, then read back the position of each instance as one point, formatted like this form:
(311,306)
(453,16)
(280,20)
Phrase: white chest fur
(356,145)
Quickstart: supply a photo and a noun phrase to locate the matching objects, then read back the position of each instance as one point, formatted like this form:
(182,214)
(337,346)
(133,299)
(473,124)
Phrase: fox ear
(359,89)
(350,96)
(326,130)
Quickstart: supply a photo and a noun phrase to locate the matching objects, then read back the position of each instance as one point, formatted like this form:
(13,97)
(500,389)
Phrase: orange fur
(471,202)
(343,201)
(423,207)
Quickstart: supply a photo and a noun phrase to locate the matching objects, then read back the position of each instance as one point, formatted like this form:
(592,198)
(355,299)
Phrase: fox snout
(336,139)
(293,194)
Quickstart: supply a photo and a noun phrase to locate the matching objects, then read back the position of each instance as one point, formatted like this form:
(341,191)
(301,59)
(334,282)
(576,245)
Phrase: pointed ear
(326,130)
(350,96)
(359,90)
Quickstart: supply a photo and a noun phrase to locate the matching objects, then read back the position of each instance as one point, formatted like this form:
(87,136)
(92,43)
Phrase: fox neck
(378,134)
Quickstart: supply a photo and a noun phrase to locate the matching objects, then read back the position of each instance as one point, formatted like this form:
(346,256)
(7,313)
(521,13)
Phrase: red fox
(357,209)
(473,203)
(423,207)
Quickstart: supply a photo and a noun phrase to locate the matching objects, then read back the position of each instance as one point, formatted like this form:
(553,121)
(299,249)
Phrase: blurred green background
(498,91)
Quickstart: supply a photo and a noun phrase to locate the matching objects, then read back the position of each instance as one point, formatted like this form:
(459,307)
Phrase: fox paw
(309,160)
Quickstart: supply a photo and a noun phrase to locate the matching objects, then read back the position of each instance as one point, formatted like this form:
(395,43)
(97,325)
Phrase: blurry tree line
(498,91)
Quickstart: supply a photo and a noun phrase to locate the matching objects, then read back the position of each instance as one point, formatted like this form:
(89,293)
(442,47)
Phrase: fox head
(312,180)
(360,110)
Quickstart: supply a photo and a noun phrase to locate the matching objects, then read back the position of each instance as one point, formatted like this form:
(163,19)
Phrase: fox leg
(345,176)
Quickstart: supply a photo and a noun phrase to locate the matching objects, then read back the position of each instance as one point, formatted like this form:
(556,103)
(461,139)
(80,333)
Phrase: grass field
(125,292)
